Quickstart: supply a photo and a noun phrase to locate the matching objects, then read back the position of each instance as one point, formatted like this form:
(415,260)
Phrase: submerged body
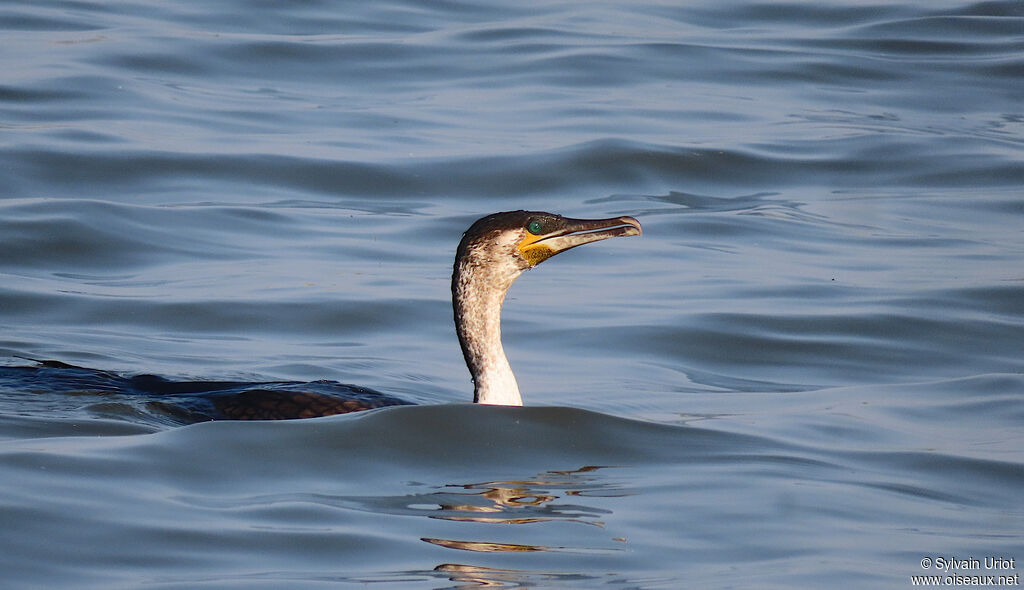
(493,252)
(200,401)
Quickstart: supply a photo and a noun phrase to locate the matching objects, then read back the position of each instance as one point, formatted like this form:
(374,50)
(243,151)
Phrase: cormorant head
(524,239)
(493,252)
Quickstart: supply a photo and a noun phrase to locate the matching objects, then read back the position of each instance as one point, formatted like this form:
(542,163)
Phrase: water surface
(808,371)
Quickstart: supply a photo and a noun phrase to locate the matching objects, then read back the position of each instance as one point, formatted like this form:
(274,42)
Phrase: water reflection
(527,501)
(524,501)
(485,547)
(471,576)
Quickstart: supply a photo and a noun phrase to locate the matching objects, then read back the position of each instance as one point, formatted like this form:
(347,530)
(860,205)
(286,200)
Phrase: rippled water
(808,371)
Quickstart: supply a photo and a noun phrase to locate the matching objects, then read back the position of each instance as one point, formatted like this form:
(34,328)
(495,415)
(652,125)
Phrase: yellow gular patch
(534,254)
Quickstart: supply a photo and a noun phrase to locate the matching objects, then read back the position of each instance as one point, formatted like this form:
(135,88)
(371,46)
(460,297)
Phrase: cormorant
(493,252)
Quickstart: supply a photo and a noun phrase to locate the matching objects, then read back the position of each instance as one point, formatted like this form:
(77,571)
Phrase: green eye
(534,227)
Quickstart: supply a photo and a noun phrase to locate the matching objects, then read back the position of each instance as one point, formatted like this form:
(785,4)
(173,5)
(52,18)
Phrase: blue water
(808,372)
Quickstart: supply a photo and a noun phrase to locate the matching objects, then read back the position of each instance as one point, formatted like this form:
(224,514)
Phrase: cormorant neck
(478,290)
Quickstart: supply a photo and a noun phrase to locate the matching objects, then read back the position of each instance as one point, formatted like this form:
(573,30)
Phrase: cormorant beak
(575,232)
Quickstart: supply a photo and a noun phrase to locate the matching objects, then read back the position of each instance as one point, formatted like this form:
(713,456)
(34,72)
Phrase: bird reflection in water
(503,502)
(485,547)
(474,576)
(523,501)
(535,500)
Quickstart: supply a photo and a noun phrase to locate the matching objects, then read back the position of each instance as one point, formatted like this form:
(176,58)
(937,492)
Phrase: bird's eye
(534,227)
